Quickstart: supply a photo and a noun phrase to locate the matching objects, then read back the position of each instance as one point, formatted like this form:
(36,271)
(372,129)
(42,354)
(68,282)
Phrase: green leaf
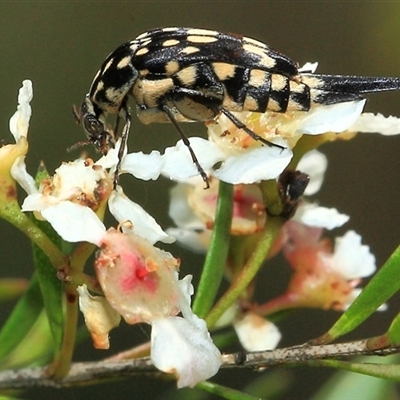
(25,354)
(11,397)
(346,385)
(10,288)
(22,318)
(225,392)
(50,285)
(393,333)
(273,384)
(384,284)
(249,271)
(217,253)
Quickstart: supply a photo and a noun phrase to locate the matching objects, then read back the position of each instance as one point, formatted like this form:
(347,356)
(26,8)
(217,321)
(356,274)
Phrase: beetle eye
(93,126)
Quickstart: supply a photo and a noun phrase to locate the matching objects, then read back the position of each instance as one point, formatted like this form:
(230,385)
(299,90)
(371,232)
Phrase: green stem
(62,361)
(249,271)
(271,197)
(215,262)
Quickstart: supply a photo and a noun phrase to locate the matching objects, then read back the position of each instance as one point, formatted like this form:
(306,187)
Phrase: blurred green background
(60,46)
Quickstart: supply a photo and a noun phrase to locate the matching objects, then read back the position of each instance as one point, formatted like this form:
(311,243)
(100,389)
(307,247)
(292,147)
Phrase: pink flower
(139,280)
(325,277)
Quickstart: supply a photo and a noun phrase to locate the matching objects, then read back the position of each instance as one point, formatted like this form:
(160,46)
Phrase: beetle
(180,74)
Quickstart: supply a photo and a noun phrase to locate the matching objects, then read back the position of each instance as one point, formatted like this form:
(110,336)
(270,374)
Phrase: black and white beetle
(189,74)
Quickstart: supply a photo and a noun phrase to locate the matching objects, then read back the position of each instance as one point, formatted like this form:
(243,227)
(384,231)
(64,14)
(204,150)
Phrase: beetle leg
(185,140)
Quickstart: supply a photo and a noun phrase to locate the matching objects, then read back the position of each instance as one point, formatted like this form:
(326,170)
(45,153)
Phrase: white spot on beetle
(124,62)
(142,51)
(224,70)
(170,42)
(205,32)
(201,39)
(188,75)
(190,50)
(171,67)
(258,77)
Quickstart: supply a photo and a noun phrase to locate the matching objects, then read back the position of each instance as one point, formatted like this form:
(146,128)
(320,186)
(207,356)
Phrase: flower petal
(110,160)
(100,317)
(21,175)
(313,164)
(256,333)
(183,346)
(75,223)
(179,164)
(195,241)
(352,259)
(255,165)
(139,280)
(376,123)
(19,122)
(311,214)
(180,347)
(180,210)
(38,202)
(143,166)
(330,118)
(144,224)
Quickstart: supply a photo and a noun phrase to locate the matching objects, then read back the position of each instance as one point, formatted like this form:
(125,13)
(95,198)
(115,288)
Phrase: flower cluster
(324,277)
(140,283)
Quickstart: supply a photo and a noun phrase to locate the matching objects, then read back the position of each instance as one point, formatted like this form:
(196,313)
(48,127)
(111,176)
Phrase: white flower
(185,349)
(324,277)
(19,124)
(352,259)
(77,181)
(328,118)
(183,345)
(314,164)
(311,214)
(254,165)
(143,224)
(190,231)
(376,123)
(65,200)
(193,210)
(74,223)
(256,333)
(176,162)
(140,282)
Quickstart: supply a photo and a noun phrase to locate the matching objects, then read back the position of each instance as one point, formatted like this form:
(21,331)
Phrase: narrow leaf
(218,251)
(384,284)
(361,386)
(33,355)
(22,318)
(50,285)
(10,288)
(225,392)
(394,331)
